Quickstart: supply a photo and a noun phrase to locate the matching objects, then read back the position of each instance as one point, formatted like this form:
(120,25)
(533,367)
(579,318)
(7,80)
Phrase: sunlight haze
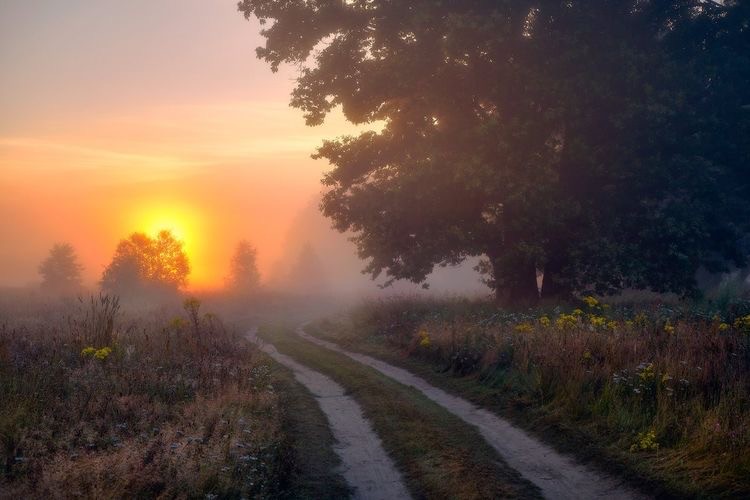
(140,116)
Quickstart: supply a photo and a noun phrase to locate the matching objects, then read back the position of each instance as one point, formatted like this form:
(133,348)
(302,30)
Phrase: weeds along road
(367,467)
(556,475)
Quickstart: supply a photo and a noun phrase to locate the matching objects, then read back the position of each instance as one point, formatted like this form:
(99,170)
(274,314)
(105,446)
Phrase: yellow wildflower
(597,321)
(591,301)
(646,372)
(424,338)
(668,328)
(544,321)
(88,351)
(723,327)
(742,323)
(611,324)
(524,328)
(103,353)
(577,312)
(566,321)
(646,441)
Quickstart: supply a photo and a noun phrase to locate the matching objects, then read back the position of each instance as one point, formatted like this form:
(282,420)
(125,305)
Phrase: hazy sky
(122,116)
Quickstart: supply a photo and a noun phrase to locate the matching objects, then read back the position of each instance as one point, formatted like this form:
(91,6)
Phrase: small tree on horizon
(142,264)
(61,270)
(243,269)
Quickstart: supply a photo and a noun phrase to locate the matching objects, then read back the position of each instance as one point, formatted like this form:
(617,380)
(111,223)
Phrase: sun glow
(185,223)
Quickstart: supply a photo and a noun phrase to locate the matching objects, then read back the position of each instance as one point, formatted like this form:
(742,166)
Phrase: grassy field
(439,455)
(659,393)
(99,403)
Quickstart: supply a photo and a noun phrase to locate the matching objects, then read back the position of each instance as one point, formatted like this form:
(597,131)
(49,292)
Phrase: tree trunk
(515,283)
(554,284)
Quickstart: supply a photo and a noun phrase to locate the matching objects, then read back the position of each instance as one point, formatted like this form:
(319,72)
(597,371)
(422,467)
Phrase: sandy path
(366,466)
(558,476)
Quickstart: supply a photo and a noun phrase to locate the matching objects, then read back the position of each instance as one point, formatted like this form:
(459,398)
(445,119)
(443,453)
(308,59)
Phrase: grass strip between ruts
(439,455)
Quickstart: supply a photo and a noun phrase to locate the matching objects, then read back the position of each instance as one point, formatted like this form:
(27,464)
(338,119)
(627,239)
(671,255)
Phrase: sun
(181,220)
(189,223)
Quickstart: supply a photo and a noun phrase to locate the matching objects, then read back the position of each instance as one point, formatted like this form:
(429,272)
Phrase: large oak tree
(604,143)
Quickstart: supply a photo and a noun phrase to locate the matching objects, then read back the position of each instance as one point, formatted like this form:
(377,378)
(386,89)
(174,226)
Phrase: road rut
(558,476)
(366,466)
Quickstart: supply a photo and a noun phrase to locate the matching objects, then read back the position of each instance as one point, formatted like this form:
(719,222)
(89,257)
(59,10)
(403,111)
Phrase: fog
(341,268)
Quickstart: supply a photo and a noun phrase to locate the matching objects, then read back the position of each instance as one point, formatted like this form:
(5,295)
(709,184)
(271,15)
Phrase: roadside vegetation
(100,403)
(660,392)
(439,455)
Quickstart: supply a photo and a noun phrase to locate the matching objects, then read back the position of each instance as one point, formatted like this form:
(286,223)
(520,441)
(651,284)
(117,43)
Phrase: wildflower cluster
(598,321)
(424,338)
(525,328)
(567,321)
(645,441)
(100,354)
(591,301)
(742,323)
(645,372)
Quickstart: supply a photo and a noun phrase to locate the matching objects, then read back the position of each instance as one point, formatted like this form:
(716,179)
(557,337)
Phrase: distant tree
(142,265)
(307,273)
(61,270)
(243,271)
(603,143)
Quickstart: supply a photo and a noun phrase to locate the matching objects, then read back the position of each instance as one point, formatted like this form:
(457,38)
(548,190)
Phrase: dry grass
(666,388)
(97,403)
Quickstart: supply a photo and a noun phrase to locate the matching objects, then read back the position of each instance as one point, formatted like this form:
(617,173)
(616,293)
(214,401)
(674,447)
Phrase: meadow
(658,392)
(100,402)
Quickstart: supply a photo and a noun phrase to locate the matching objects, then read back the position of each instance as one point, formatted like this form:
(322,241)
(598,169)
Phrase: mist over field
(375,249)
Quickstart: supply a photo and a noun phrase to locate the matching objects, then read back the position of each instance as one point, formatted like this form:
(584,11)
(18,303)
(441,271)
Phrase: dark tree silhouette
(147,265)
(604,143)
(61,271)
(243,269)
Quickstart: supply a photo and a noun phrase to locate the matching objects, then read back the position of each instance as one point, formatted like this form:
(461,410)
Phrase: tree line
(145,266)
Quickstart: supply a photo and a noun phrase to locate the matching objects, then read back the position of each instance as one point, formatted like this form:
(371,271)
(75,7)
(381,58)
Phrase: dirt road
(557,475)
(367,467)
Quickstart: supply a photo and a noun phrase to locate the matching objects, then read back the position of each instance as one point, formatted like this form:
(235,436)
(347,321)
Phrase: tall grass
(668,387)
(98,402)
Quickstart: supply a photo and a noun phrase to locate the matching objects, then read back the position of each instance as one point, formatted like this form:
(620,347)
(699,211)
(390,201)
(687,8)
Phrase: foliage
(61,271)
(143,264)
(243,269)
(604,143)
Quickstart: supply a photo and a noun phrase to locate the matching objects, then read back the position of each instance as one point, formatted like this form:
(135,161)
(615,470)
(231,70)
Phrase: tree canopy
(243,268)
(603,143)
(60,270)
(142,264)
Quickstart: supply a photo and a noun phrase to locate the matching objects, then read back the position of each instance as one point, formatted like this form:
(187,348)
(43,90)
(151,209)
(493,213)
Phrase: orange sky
(132,116)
